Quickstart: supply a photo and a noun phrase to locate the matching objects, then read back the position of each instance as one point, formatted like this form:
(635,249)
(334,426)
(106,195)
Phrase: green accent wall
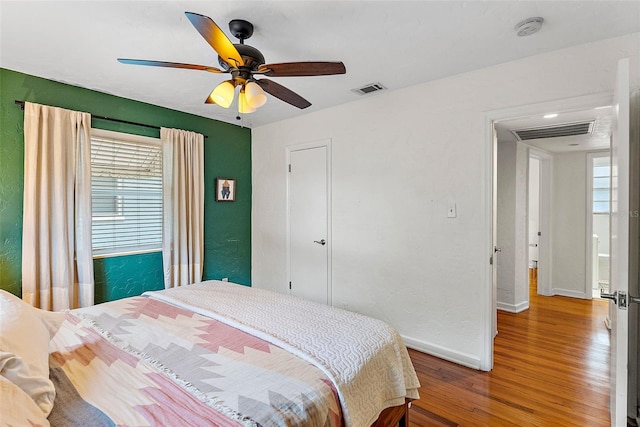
(227,152)
(124,276)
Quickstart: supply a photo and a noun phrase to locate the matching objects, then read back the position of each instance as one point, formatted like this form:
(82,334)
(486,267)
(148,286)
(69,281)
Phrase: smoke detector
(529,26)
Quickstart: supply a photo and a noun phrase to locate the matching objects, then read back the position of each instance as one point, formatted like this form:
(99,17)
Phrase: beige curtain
(182,206)
(57,264)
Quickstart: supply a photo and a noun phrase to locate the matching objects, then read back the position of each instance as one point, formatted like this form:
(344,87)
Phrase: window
(126,193)
(601,184)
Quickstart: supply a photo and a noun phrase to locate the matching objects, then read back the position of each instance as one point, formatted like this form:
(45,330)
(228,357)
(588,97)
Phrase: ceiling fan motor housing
(251,56)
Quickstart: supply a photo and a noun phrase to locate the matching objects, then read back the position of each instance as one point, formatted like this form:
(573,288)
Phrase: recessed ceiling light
(550,116)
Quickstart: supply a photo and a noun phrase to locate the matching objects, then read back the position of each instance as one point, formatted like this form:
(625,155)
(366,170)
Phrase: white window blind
(126,192)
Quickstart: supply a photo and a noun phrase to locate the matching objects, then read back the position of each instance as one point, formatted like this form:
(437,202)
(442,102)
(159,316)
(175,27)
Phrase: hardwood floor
(551,368)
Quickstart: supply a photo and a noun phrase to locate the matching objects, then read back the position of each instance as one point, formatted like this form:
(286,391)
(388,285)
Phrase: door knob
(613,296)
(321,242)
(497,249)
(620,298)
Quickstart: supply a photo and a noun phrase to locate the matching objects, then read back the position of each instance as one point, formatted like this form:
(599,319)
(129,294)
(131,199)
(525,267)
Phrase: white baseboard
(463,359)
(512,308)
(570,293)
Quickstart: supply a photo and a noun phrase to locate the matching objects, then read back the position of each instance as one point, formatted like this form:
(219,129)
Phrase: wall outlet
(225,279)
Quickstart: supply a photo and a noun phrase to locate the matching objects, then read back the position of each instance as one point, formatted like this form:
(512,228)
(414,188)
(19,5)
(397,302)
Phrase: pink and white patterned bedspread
(143,362)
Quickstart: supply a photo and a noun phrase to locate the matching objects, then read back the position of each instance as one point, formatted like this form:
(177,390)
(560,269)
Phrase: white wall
(506,229)
(400,258)
(512,261)
(569,224)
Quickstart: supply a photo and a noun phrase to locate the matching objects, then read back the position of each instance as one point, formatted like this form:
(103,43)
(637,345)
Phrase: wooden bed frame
(396,416)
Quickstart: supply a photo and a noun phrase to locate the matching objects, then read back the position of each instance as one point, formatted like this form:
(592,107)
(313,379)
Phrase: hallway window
(601,185)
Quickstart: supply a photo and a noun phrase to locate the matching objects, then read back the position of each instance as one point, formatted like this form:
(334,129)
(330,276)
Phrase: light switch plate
(451,212)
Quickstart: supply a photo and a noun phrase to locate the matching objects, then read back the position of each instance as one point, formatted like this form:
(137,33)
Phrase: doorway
(598,221)
(534,219)
(547,156)
(308,221)
(622,340)
(493,121)
(539,221)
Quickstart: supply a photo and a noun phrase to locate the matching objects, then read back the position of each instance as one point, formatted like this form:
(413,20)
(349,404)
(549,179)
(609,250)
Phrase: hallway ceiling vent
(555,131)
(371,87)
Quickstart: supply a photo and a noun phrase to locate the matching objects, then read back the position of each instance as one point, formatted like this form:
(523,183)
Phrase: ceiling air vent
(554,131)
(371,87)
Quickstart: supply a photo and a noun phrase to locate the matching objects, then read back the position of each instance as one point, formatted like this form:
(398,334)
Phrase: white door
(634,253)
(544,222)
(494,237)
(534,210)
(309,223)
(619,268)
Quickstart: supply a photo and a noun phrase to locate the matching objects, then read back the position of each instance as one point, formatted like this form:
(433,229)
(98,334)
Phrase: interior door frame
(619,258)
(489,193)
(545,207)
(326,143)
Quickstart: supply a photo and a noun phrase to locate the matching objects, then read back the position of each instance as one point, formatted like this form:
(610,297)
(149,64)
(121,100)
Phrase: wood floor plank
(551,368)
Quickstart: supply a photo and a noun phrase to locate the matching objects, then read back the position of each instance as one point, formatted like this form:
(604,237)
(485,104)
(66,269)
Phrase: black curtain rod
(111,119)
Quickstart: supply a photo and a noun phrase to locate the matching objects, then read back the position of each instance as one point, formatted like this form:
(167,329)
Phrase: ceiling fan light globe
(223,94)
(243,105)
(254,95)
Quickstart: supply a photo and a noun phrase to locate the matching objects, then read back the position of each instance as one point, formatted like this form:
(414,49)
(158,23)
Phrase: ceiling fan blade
(311,68)
(170,65)
(281,92)
(216,38)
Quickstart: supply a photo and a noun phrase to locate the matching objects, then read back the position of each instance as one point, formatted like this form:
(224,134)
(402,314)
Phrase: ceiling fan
(244,62)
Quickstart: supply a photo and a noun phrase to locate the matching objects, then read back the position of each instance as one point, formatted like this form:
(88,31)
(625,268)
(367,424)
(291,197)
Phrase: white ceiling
(396,43)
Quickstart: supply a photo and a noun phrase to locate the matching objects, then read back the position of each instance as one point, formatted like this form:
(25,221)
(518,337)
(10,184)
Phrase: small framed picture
(225,190)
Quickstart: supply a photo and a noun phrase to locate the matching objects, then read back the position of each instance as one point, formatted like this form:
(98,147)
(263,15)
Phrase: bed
(217,354)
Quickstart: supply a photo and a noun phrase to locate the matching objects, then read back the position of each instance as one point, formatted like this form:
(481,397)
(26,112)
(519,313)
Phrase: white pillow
(17,408)
(25,332)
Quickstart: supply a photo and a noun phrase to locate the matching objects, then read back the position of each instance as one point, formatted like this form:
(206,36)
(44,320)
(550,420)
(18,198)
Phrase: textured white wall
(399,258)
